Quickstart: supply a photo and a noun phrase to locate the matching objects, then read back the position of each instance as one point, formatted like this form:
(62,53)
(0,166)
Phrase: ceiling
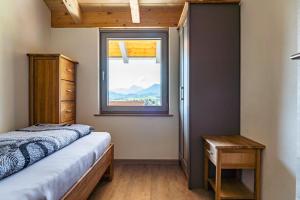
(117,13)
(126,3)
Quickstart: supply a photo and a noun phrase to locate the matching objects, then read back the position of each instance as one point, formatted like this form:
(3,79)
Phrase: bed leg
(109,173)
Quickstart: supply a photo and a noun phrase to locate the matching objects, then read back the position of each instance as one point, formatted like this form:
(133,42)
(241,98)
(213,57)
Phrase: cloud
(141,81)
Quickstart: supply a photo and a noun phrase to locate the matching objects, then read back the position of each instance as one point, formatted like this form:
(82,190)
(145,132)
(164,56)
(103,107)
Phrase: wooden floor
(147,182)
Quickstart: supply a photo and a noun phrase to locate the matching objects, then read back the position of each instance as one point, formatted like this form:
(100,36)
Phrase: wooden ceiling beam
(135,11)
(73,8)
(183,14)
(110,17)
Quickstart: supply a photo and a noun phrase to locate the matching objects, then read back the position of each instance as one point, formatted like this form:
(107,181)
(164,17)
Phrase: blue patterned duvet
(20,149)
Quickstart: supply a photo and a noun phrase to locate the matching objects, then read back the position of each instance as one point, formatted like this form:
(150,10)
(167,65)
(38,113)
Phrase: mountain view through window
(134,73)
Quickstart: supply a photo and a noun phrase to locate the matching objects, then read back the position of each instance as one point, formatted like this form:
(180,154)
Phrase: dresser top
(51,55)
(232,142)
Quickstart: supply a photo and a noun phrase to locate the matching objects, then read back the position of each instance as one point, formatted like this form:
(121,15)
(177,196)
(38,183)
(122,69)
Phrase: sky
(142,72)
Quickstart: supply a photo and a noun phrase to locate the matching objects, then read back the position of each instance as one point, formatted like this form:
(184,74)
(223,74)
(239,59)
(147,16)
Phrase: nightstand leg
(205,172)
(257,175)
(218,177)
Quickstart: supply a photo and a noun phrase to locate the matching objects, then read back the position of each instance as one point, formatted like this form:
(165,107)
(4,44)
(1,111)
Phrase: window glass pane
(134,72)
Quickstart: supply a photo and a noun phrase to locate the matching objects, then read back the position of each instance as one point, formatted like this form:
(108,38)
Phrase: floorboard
(148,182)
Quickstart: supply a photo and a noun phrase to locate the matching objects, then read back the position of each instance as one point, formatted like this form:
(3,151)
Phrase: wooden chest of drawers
(52,89)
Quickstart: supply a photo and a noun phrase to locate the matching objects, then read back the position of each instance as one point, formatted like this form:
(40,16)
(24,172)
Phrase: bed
(70,173)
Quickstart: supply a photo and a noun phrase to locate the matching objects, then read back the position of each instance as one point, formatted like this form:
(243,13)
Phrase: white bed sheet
(53,176)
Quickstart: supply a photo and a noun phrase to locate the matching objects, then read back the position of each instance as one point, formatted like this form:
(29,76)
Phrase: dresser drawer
(67,70)
(67,90)
(67,113)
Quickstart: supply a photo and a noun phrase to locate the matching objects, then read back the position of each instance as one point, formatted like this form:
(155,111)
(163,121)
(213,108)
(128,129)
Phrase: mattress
(54,175)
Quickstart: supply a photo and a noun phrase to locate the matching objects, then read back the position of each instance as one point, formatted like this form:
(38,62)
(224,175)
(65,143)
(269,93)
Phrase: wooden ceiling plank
(120,17)
(126,1)
(74,10)
(101,13)
(135,11)
(153,2)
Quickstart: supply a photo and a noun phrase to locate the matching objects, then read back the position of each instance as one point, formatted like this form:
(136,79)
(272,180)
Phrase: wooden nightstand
(232,152)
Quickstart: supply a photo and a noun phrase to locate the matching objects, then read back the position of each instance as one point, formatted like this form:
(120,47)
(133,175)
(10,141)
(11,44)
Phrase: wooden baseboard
(146,162)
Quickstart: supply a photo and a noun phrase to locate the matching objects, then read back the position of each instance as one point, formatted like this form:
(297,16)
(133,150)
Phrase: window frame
(134,34)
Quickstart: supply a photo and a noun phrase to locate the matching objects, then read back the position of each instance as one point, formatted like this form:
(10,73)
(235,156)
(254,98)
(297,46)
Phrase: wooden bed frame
(103,167)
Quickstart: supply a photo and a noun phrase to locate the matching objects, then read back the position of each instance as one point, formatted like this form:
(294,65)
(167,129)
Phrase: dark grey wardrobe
(209,81)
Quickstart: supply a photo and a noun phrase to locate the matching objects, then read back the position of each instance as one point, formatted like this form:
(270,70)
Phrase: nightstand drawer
(211,152)
(238,159)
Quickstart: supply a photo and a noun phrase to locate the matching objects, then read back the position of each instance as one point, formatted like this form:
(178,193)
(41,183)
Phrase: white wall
(269,90)
(24,28)
(134,137)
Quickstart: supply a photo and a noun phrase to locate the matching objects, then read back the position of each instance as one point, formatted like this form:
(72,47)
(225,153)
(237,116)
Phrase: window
(134,72)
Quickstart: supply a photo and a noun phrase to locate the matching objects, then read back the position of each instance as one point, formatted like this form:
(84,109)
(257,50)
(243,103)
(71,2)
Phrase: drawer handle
(68,111)
(69,91)
(69,70)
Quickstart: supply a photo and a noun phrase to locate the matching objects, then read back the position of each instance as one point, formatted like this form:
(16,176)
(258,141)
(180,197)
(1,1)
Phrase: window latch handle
(103,75)
(181,93)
